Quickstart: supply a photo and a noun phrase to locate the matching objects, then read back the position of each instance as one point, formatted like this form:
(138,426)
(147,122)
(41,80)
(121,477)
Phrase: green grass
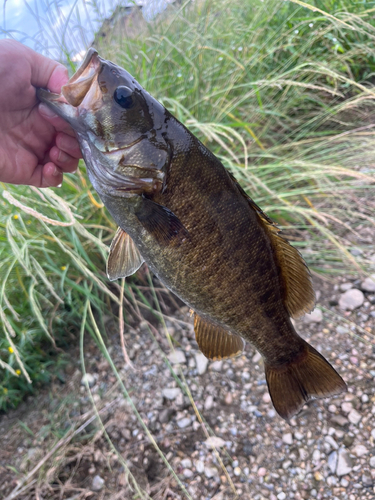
(282,94)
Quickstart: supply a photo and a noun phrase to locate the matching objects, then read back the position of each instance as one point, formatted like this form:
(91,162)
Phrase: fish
(183,213)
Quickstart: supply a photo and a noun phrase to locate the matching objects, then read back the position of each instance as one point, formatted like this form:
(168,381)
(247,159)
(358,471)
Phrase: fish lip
(85,63)
(74,91)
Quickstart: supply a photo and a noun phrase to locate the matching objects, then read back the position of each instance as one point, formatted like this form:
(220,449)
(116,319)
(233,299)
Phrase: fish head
(118,124)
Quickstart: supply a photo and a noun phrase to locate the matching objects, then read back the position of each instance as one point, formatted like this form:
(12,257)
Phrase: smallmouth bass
(180,211)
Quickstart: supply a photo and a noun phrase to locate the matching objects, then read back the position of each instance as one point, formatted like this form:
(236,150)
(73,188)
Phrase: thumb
(45,72)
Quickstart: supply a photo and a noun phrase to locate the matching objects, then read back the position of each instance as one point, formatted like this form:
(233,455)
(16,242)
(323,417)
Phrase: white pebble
(97,483)
(186,463)
(88,379)
(237,471)
(201,362)
(188,473)
(359,450)
(354,417)
(210,472)
(171,392)
(199,465)
(351,299)
(287,438)
(177,356)
(214,442)
(184,422)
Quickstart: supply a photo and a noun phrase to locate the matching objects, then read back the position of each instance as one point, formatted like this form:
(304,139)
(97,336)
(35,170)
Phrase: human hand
(36,147)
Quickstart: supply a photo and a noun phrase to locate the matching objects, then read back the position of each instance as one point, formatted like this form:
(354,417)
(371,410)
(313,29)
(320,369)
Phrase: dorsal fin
(124,258)
(215,342)
(298,296)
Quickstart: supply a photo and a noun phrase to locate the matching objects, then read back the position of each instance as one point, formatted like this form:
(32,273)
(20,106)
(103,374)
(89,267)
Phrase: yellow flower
(10,349)
(5,390)
(15,216)
(63,268)
(18,372)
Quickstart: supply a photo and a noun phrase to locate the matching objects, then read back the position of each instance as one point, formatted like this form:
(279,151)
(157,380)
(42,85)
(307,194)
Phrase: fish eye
(123,97)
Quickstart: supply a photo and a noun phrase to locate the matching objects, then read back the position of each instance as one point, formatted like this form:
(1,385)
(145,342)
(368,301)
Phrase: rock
(359,450)
(188,473)
(368,285)
(316,316)
(287,438)
(342,330)
(344,463)
(216,366)
(299,436)
(348,440)
(332,461)
(209,403)
(354,417)
(228,398)
(88,379)
(356,251)
(372,462)
(165,415)
(344,287)
(316,456)
(281,496)
(266,398)
(257,357)
(331,442)
(247,447)
(351,299)
(97,483)
(184,422)
(262,471)
(186,463)
(237,471)
(346,406)
(210,472)
(367,479)
(199,466)
(201,362)
(339,420)
(177,356)
(171,392)
(214,442)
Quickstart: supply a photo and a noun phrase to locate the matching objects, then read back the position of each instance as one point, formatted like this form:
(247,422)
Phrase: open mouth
(77,87)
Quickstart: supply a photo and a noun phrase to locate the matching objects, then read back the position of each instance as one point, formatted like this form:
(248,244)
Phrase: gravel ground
(327,451)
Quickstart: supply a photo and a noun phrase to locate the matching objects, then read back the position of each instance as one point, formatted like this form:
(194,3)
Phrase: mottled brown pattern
(198,231)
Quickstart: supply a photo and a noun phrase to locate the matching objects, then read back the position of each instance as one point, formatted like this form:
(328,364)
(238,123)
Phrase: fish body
(180,211)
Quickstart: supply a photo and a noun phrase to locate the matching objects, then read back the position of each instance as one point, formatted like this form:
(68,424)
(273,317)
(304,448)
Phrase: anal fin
(215,342)
(124,258)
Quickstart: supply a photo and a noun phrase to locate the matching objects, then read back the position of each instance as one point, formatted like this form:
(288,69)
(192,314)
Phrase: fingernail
(46,111)
(56,172)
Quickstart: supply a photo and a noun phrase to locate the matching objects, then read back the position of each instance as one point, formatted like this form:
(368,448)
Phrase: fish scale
(180,211)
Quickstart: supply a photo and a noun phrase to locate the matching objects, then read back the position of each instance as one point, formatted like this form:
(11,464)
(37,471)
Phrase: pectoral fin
(161,222)
(124,258)
(215,342)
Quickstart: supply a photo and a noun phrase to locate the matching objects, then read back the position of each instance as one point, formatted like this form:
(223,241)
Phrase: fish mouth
(74,92)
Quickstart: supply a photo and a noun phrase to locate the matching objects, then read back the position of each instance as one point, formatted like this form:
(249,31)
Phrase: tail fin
(309,375)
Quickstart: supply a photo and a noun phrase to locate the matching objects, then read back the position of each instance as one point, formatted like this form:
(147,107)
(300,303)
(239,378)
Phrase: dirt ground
(54,447)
